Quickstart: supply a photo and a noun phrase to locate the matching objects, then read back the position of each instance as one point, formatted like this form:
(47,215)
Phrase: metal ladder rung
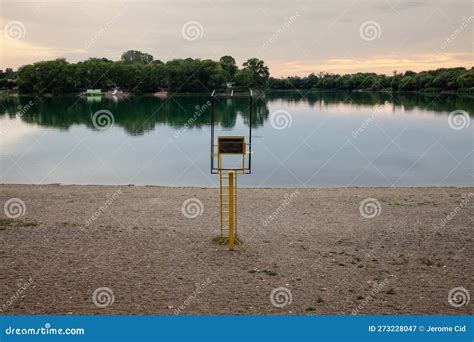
(224,200)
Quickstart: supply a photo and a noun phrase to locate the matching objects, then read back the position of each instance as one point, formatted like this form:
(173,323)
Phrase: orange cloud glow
(377,64)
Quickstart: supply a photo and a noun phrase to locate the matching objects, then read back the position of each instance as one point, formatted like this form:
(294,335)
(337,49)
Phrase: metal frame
(228,209)
(231,94)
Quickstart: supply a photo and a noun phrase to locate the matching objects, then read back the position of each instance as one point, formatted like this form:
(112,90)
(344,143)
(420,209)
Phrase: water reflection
(400,101)
(138,115)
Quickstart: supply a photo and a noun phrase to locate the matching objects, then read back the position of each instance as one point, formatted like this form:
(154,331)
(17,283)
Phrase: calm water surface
(316,140)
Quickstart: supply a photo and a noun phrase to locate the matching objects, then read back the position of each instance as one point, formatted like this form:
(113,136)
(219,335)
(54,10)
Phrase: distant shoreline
(4,93)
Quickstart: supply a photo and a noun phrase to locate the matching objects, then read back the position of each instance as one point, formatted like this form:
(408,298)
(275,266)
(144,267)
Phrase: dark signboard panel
(231,145)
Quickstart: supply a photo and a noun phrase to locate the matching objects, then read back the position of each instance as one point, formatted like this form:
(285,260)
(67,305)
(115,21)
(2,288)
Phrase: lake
(300,139)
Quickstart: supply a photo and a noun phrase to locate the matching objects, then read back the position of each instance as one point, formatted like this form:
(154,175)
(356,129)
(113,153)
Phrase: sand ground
(155,260)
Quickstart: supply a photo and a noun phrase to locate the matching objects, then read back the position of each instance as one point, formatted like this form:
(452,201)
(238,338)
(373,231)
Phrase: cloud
(379,64)
(325,33)
(26,52)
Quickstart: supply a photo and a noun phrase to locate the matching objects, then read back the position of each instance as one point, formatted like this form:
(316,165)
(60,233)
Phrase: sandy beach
(69,241)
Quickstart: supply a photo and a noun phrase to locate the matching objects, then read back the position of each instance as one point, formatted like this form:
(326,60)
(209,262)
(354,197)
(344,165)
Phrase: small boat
(92,95)
(93,92)
(161,94)
(116,94)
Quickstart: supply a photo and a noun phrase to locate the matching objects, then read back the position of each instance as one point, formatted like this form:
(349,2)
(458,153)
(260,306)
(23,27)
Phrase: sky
(292,37)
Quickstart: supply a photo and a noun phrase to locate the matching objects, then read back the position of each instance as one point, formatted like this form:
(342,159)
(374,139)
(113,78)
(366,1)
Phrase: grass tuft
(7,222)
(270,273)
(426,261)
(219,240)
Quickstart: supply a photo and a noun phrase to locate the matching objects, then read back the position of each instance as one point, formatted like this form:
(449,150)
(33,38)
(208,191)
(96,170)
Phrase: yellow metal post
(220,202)
(231,211)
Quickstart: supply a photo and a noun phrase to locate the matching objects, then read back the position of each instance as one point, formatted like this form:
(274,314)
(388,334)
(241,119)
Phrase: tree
(9,73)
(44,77)
(133,56)
(229,67)
(466,80)
(408,83)
(259,71)
(91,74)
(425,80)
(244,78)
(211,74)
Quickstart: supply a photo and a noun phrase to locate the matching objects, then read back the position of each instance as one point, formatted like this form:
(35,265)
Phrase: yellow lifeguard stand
(233,146)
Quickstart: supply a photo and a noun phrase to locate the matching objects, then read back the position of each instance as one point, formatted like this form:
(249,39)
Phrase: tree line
(139,72)
(444,79)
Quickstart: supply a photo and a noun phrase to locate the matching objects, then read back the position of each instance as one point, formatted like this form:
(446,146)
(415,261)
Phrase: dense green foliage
(133,56)
(434,80)
(7,79)
(138,72)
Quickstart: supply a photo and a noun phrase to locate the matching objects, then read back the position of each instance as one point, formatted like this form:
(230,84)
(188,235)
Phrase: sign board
(231,145)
